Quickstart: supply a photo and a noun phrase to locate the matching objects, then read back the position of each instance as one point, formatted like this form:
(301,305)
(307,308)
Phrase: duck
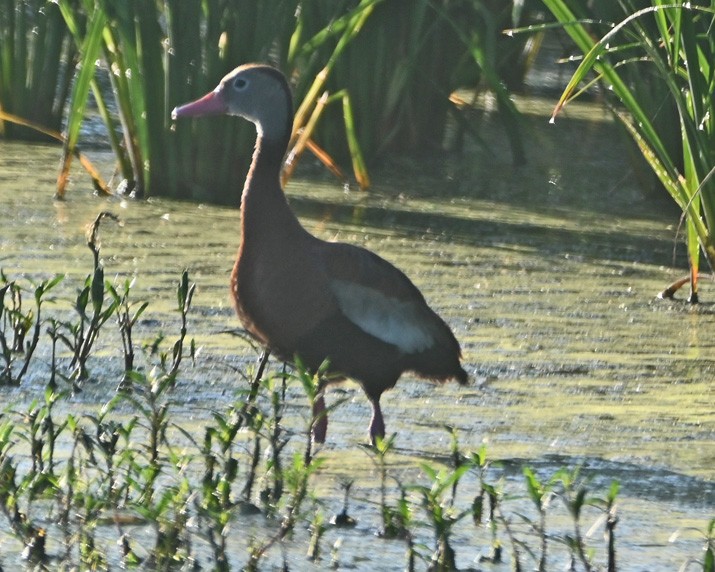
(317,301)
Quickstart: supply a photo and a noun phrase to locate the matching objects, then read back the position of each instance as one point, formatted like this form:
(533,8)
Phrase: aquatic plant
(277,440)
(442,515)
(708,536)
(37,57)
(127,317)
(93,307)
(128,463)
(402,68)
(392,525)
(17,323)
(296,477)
(489,495)
(540,493)
(129,480)
(343,519)
(367,58)
(673,43)
(13,495)
(573,493)
(160,55)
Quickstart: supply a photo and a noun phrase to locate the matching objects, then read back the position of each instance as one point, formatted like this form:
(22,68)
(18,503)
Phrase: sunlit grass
(670,45)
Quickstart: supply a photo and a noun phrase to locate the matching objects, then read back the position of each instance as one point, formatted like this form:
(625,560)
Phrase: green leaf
(709,560)
(82,301)
(97,290)
(478,508)
(578,502)
(89,50)
(613,491)
(534,487)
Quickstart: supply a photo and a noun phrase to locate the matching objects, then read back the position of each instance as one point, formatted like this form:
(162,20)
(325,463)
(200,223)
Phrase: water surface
(547,273)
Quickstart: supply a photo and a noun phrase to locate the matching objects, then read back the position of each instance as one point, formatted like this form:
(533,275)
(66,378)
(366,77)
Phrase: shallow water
(547,273)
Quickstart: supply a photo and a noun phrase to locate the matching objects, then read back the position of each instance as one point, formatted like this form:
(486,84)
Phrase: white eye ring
(240,83)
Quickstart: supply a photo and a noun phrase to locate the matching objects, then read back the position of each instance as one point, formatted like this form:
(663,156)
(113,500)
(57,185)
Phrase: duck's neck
(264,208)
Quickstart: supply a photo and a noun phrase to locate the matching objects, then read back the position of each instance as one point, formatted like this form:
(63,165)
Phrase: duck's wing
(381,300)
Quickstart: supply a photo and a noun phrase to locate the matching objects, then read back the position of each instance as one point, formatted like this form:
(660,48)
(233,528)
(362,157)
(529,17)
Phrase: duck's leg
(377,423)
(320,416)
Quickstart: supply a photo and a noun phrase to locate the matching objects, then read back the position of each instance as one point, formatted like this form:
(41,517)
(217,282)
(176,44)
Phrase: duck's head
(256,92)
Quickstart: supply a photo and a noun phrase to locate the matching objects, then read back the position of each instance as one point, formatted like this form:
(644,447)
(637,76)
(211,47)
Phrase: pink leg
(320,420)
(377,423)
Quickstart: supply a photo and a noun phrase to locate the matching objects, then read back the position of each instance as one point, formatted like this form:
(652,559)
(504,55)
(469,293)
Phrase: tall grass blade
(303,136)
(162,54)
(36,59)
(359,167)
(674,41)
(80,91)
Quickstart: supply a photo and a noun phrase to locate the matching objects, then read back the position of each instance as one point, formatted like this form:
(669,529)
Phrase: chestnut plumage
(299,295)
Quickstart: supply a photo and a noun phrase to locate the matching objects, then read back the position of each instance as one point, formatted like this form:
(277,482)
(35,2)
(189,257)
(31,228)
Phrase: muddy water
(547,274)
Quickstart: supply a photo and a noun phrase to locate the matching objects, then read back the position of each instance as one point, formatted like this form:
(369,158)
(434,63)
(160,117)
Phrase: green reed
(672,45)
(485,504)
(127,465)
(402,68)
(360,65)
(157,56)
(441,513)
(371,78)
(37,58)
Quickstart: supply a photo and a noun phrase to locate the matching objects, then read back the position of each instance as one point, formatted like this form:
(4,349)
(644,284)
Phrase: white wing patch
(391,320)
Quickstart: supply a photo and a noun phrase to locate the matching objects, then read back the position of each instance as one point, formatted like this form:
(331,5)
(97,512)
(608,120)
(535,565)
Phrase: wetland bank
(546,273)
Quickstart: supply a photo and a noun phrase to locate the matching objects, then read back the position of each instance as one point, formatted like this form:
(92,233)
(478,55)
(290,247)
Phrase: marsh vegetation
(138,429)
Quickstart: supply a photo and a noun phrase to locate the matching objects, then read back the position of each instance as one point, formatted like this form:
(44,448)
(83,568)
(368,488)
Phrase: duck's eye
(239,84)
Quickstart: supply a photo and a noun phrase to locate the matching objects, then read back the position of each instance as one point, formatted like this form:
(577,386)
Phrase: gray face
(259,95)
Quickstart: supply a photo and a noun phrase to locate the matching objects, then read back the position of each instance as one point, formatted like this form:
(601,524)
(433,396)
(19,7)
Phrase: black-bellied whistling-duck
(299,295)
